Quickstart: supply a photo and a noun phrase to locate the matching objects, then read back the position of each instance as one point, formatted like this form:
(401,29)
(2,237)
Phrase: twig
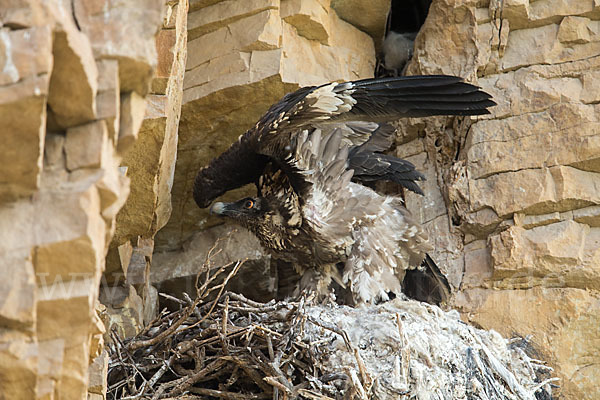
(221,288)
(227,395)
(333,329)
(172,298)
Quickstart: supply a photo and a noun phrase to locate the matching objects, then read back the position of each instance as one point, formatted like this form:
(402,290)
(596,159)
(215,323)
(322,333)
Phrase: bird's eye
(249,204)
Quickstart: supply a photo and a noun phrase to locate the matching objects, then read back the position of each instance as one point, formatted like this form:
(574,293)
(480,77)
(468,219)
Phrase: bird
(310,157)
(398,49)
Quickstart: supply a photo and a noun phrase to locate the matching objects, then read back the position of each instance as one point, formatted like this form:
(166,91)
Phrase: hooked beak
(218,208)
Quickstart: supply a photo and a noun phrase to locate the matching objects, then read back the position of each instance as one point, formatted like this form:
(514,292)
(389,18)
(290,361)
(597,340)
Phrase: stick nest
(224,346)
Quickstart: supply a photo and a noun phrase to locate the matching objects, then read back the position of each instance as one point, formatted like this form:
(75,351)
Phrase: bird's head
(246,212)
(270,220)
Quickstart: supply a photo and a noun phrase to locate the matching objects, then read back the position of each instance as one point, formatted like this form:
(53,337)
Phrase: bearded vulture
(309,155)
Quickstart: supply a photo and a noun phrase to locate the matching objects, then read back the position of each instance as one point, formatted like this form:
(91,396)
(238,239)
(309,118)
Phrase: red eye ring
(249,204)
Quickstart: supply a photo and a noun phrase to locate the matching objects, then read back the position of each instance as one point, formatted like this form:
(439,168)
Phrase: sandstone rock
(238,245)
(97,374)
(197,4)
(172,60)
(64,310)
(18,366)
(124,31)
(25,62)
(112,185)
(131,117)
(17,288)
(165,47)
(551,255)
(138,271)
(98,330)
(525,49)
(588,215)
(145,161)
(308,63)
(574,30)
(445,22)
(125,253)
(535,191)
(62,180)
(517,12)
(22,139)
(369,17)
(151,303)
(54,151)
(499,145)
(221,14)
(553,11)
(429,207)
(151,161)
(531,89)
(84,145)
(124,310)
(74,377)
(75,245)
(49,366)
(18,14)
(25,53)
(171,46)
(430,210)
(521,185)
(261,31)
(108,98)
(54,322)
(590,92)
(478,265)
(532,221)
(310,18)
(74,72)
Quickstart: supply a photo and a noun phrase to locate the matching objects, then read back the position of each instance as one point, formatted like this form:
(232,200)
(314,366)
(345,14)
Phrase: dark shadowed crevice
(408,15)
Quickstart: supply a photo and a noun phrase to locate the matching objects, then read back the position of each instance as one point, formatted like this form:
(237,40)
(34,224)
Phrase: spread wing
(334,103)
(374,100)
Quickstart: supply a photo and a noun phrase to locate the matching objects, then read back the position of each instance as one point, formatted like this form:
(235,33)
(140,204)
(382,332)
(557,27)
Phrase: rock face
(150,160)
(69,75)
(512,199)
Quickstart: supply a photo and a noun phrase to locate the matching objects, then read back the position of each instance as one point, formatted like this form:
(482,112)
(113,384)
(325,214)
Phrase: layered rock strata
(69,74)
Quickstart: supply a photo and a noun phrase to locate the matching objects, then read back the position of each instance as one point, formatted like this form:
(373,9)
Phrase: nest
(222,345)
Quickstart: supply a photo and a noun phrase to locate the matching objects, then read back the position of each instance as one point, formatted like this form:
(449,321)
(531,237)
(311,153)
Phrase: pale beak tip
(217,208)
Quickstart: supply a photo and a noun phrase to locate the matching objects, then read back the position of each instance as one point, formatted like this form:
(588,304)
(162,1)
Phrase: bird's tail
(427,283)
